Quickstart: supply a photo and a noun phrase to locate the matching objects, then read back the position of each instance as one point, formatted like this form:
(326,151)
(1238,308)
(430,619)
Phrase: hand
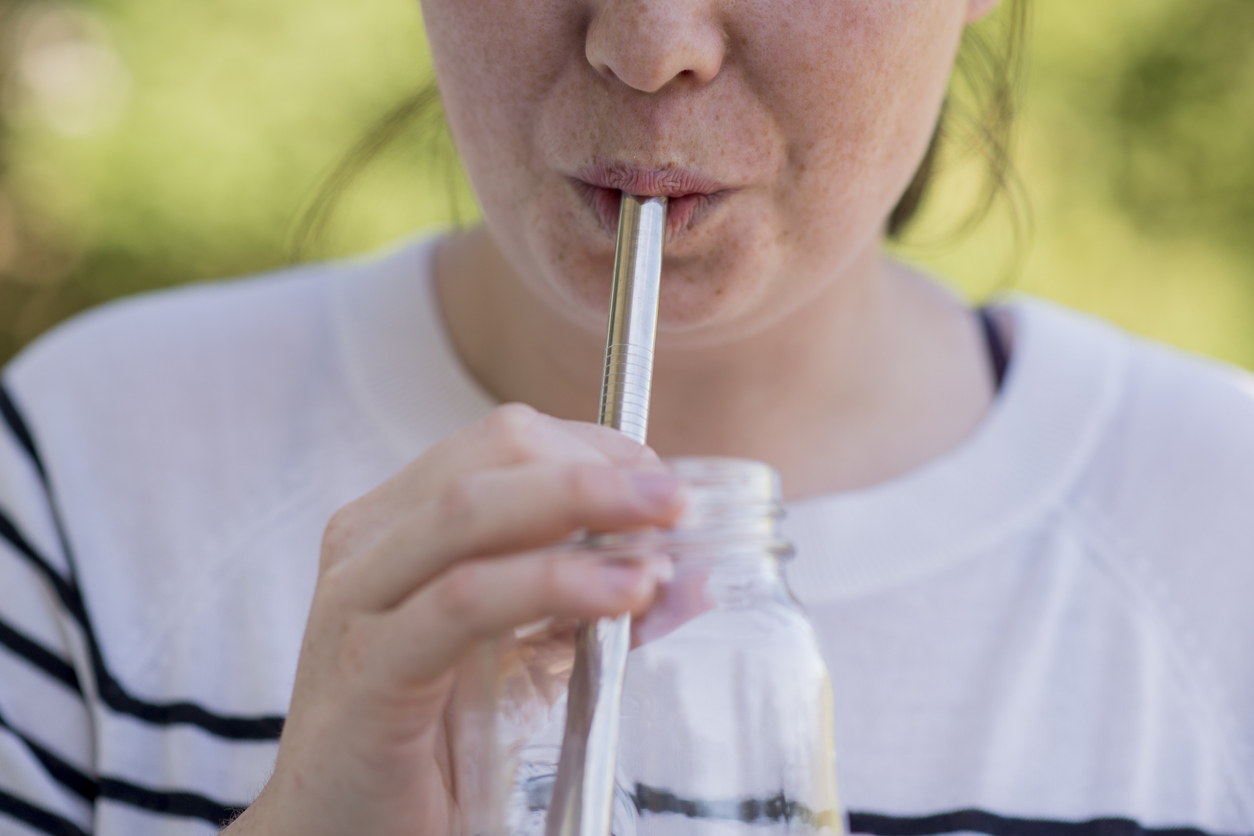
(415,574)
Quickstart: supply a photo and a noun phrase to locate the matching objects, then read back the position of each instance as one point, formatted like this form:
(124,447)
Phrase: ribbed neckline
(1064,380)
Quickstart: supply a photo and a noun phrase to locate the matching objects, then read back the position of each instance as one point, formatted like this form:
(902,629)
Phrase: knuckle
(512,414)
(513,429)
(339,536)
(330,590)
(355,647)
(550,584)
(457,503)
(590,488)
(460,593)
(336,591)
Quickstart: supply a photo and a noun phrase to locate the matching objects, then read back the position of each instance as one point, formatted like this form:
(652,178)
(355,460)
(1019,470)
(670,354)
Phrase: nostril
(646,44)
(601,67)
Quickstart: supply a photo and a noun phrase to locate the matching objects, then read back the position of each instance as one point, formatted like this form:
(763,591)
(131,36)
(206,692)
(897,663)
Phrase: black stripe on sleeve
(67,594)
(167,802)
(111,691)
(39,656)
(70,777)
(8,411)
(231,727)
(11,535)
(982,821)
(37,817)
(185,804)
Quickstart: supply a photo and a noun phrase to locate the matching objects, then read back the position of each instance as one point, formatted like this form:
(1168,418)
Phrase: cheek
(493,80)
(577,273)
(857,90)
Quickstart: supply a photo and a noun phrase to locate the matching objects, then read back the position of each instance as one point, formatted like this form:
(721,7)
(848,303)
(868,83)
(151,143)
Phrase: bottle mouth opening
(729,499)
(725,479)
(689,546)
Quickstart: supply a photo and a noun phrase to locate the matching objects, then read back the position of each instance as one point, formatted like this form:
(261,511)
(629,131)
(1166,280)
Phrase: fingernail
(661,569)
(656,489)
(622,578)
(646,457)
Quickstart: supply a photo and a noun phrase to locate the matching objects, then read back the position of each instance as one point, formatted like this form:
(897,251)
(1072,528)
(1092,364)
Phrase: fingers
(479,599)
(615,446)
(417,572)
(516,434)
(504,510)
(510,435)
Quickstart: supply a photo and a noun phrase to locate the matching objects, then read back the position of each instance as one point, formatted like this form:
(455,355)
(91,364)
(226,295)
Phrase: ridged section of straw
(628,375)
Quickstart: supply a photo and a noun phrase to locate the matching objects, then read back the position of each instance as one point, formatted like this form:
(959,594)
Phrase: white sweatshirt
(1048,631)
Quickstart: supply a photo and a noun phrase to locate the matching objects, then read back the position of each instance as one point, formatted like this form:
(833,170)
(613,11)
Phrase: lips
(691,194)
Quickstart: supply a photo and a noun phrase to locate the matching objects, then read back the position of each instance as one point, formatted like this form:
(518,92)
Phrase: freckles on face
(713,134)
(858,104)
(800,122)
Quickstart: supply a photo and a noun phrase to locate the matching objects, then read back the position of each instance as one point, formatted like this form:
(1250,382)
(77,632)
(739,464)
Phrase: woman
(1034,602)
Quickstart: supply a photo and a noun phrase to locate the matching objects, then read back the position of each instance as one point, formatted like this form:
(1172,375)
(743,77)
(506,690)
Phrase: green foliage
(1184,120)
(1136,145)
(235,112)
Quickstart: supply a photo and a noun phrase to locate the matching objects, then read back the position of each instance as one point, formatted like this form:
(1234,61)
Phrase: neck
(880,373)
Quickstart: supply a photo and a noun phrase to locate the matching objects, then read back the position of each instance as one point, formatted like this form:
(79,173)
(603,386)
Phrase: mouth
(692,195)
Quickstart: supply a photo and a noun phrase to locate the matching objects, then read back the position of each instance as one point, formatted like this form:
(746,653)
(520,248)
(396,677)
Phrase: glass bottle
(726,725)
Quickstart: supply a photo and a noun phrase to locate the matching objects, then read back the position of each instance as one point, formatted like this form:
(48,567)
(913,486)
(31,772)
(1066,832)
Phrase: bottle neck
(724,553)
(733,510)
(732,513)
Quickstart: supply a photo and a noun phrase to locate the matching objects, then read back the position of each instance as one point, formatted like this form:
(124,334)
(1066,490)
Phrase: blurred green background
(148,144)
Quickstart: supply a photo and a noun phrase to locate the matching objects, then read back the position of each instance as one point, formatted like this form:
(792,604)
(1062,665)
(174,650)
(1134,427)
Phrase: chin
(697,304)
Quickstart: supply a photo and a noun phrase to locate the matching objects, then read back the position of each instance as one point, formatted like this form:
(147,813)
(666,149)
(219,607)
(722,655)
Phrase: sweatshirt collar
(1062,385)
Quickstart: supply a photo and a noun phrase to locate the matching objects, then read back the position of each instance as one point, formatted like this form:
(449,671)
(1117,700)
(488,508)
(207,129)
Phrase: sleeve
(47,780)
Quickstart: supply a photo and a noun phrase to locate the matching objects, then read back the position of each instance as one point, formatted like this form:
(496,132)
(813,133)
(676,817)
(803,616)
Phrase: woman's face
(783,131)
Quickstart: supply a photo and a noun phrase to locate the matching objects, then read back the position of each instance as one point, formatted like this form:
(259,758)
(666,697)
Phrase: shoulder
(241,348)
(1165,427)
(196,440)
(1175,448)
(208,402)
(1165,500)
(136,391)
(167,341)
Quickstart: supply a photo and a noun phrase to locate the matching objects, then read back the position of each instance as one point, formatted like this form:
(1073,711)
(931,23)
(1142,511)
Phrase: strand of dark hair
(422,107)
(979,117)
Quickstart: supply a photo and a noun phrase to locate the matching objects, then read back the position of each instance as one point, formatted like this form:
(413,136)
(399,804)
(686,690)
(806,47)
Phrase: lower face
(784,131)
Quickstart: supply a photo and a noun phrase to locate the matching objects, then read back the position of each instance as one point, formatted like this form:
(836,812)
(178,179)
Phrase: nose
(648,44)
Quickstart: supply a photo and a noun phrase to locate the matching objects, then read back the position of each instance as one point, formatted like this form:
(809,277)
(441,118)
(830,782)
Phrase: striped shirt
(1047,631)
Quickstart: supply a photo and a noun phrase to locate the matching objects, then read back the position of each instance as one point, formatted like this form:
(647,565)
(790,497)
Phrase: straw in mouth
(683,210)
(583,792)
